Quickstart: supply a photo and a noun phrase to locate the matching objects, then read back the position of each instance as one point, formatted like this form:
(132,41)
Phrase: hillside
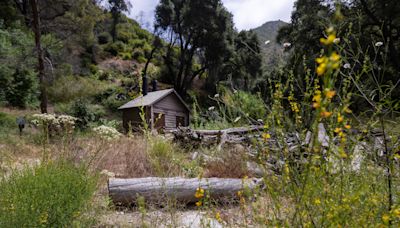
(272,51)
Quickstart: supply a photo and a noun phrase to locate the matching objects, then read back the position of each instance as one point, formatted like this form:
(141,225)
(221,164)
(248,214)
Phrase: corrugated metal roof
(147,100)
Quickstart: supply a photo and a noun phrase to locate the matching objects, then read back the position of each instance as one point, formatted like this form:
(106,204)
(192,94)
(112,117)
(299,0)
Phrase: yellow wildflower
(266,136)
(199,193)
(335,66)
(338,130)
(385,219)
(342,154)
(286,169)
(335,57)
(347,126)
(199,203)
(326,114)
(322,59)
(330,93)
(321,69)
(218,216)
(317,201)
(43,218)
(329,40)
(396,212)
(317,99)
(340,118)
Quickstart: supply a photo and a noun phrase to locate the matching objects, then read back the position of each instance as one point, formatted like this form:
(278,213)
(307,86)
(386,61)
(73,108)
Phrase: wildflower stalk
(389,169)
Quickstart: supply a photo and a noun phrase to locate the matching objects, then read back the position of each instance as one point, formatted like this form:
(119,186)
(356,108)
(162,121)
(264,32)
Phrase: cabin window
(159,120)
(180,121)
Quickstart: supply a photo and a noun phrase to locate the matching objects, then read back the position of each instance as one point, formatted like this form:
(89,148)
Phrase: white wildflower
(347,66)
(211,108)
(107,173)
(237,119)
(336,40)
(66,119)
(378,44)
(235,91)
(107,132)
(216,95)
(260,120)
(45,118)
(287,44)
(267,42)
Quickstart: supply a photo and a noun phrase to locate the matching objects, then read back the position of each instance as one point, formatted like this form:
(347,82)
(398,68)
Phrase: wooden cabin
(162,109)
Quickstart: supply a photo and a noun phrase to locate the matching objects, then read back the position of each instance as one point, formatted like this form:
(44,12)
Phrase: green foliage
(208,28)
(69,88)
(7,122)
(104,38)
(164,157)
(116,48)
(17,80)
(246,62)
(50,195)
(81,111)
(21,89)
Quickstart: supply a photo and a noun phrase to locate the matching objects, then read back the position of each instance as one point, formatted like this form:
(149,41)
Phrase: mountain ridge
(272,51)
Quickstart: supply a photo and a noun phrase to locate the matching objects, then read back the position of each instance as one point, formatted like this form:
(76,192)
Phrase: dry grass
(230,163)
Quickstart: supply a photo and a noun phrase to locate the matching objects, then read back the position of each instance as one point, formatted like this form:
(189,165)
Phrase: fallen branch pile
(230,135)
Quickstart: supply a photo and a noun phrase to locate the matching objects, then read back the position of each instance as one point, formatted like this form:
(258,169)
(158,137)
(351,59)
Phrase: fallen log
(158,190)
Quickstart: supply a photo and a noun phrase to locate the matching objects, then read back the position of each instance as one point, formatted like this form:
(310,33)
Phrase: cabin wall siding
(170,102)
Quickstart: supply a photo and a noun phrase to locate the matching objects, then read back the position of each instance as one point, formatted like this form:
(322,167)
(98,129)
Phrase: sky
(247,14)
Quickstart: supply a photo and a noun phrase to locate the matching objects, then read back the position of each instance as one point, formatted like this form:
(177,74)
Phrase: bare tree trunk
(158,190)
(42,81)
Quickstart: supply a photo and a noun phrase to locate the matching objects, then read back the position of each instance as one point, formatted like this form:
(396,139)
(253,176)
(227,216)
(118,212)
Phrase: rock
(197,220)
(195,155)
(308,138)
(323,137)
(358,156)
(255,169)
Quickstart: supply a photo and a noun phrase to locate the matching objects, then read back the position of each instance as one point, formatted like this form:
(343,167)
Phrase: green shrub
(104,38)
(141,59)
(50,195)
(64,69)
(164,157)
(80,109)
(66,89)
(19,86)
(6,121)
(138,53)
(126,55)
(94,69)
(116,47)
(113,104)
(250,104)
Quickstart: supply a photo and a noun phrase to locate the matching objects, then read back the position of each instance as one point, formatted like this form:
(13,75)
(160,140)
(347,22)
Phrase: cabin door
(180,121)
(159,120)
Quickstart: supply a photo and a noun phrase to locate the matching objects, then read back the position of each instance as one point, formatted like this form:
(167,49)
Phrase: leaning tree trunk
(158,190)
(42,82)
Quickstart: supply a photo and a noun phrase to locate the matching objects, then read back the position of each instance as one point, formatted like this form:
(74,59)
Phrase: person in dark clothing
(21,124)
